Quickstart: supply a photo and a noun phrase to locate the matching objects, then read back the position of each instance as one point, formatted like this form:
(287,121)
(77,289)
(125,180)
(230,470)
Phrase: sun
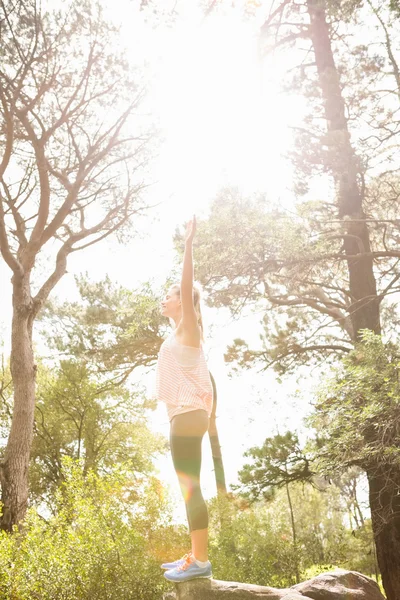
(222,115)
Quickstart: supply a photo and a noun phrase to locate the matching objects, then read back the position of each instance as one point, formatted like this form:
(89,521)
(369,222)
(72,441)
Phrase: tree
(70,176)
(276,463)
(255,545)
(99,528)
(116,331)
(113,329)
(349,177)
(348,484)
(358,412)
(327,271)
(258,544)
(84,407)
(102,424)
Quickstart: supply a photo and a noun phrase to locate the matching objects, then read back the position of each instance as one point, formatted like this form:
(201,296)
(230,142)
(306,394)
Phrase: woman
(183,383)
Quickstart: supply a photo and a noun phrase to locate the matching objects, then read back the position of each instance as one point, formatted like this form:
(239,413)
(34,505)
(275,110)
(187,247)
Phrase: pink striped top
(183,387)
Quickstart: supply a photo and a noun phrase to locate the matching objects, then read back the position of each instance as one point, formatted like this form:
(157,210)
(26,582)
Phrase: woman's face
(171,303)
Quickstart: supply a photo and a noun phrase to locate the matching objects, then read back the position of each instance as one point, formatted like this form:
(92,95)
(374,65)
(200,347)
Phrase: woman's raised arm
(189,316)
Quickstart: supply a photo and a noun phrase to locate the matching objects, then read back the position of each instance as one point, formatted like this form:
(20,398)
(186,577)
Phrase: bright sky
(224,122)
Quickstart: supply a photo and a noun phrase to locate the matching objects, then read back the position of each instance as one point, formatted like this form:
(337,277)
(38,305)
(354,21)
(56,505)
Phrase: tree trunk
(384,498)
(364,311)
(14,469)
(297,574)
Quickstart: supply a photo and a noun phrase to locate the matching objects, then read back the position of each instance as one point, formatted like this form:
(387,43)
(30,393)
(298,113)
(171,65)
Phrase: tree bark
(14,468)
(364,311)
(384,487)
(297,574)
(384,499)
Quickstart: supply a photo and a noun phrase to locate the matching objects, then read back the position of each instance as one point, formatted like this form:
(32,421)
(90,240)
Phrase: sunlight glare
(222,120)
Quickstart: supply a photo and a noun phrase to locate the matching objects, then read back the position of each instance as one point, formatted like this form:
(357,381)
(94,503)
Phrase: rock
(212,589)
(337,585)
(340,585)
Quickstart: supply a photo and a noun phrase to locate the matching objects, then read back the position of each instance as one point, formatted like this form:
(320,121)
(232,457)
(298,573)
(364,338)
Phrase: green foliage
(98,543)
(251,254)
(242,241)
(279,461)
(115,329)
(85,407)
(80,416)
(7,549)
(292,263)
(255,547)
(358,409)
(395,7)
(254,543)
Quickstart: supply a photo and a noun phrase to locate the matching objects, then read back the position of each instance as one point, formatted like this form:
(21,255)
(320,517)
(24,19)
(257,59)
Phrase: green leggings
(187,431)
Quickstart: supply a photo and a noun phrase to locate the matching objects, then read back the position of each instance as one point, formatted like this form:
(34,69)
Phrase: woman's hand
(191,230)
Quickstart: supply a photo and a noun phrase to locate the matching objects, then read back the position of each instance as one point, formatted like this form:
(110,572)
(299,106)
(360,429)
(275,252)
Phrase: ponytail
(197,308)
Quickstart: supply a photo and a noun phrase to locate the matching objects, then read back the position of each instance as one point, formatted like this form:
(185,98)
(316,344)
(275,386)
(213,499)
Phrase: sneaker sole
(190,578)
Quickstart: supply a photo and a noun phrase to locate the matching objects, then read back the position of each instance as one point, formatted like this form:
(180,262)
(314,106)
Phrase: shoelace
(186,556)
(187,563)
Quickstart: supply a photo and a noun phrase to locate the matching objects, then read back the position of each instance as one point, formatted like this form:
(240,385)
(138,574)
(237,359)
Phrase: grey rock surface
(212,589)
(340,585)
(337,585)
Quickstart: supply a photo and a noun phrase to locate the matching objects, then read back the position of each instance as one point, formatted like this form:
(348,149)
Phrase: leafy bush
(105,540)
(253,543)
(249,544)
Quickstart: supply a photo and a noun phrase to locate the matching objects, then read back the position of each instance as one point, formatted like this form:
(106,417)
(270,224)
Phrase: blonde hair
(196,303)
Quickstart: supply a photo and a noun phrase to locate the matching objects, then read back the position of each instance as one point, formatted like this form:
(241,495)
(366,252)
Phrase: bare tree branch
(8,256)
(277,12)
(316,303)
(389,48)
(44,204)
(9,132)
(295,351)
(19,221)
